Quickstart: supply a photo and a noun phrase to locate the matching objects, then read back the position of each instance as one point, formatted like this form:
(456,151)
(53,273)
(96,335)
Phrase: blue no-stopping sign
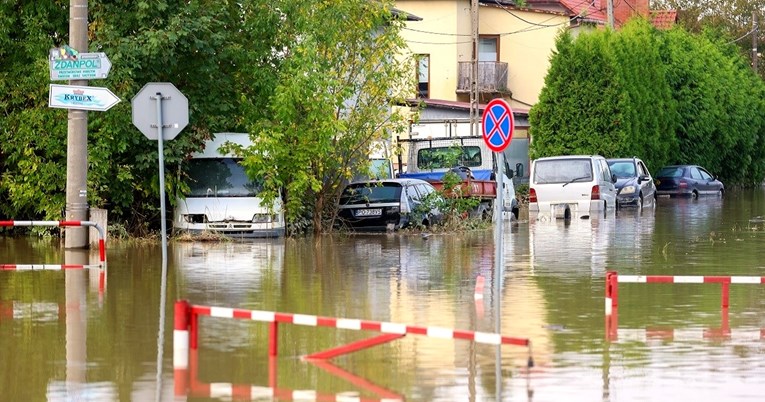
(498,125)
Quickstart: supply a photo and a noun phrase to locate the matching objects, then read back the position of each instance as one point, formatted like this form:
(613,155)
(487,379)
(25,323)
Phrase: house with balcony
(515,43)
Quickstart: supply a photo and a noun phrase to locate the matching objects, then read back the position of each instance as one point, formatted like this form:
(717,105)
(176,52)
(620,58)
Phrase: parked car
(571,186)
(687,180)
(634,184)
(376,205)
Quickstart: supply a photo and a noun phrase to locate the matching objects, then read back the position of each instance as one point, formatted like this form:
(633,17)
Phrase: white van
(571,186)
(222,199)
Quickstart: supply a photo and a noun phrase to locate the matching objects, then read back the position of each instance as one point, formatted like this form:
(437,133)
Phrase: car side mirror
(613,178)
(642,178)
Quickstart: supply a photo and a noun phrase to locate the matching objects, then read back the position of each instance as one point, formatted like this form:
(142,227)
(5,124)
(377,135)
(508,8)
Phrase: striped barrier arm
(355,324)
(613,279)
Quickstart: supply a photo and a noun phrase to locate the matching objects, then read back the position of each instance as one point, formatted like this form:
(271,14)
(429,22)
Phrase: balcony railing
(492,77)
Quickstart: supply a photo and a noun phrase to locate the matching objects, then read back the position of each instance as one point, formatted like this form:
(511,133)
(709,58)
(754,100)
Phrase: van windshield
(562,171)
(221,177)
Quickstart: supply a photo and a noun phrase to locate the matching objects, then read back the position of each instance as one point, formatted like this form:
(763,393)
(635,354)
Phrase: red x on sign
(498,125)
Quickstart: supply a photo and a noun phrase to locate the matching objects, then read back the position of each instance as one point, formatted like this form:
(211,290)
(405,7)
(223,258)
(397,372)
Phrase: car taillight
(683,184)
(595,193)
(532,195)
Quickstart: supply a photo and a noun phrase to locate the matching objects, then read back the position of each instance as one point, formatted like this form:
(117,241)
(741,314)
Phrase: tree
(340,77)
(731,18)
(604,94)
(666,96)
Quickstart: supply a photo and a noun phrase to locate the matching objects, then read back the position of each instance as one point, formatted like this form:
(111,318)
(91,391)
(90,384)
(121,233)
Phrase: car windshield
(623,168)
(562,171)
(670,171)
(221,177)
(362,193)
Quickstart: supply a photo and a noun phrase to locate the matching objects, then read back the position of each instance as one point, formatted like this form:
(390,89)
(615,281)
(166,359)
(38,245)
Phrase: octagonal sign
(174,112)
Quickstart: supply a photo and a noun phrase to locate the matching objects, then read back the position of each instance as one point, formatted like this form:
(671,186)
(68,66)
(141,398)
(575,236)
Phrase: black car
(386,205)
(687,180)
(634,185)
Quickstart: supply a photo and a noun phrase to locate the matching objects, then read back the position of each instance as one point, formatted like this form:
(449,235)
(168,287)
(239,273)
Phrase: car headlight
(194,218)
(263,218)
(628,190)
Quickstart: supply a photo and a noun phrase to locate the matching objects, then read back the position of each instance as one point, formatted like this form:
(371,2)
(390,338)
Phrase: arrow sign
(82,98)
(84,66)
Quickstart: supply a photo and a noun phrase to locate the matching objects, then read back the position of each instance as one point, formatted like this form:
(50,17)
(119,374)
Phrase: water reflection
(551,291)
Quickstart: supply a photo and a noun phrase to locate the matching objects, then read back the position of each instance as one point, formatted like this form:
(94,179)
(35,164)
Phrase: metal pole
(474,70)
(160,147)
(163,234)
(755,37)
(498,264)
(77,139)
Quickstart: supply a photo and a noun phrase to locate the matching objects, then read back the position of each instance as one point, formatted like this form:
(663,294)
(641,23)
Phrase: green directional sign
(81,66)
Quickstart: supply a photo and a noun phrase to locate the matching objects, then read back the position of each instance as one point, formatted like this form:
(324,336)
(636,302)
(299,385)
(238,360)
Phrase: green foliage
(666,96)
(336,85)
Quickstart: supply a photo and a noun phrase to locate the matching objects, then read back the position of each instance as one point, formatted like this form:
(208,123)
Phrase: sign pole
(77,139)
(160,148)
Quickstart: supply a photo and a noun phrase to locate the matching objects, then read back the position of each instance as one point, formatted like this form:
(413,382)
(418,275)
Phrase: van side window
(605,171)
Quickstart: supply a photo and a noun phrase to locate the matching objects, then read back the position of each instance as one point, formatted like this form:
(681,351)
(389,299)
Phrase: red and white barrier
(44,267)
(33,267)
(613,279)
(186,337)
(101,233)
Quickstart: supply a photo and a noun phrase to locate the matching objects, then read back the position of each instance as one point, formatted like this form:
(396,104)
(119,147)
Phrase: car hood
(625,181)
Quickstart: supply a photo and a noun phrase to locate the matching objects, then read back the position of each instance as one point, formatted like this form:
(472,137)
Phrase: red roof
(588,10)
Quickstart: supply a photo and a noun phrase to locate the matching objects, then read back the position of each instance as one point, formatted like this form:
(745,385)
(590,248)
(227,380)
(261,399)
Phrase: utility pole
(610,13)
(77,138)
(474,74)
(755,36)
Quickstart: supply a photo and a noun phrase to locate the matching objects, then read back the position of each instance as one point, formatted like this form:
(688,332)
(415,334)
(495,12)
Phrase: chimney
(625,9)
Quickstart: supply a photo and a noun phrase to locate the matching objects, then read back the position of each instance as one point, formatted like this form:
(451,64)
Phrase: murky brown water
(63,340)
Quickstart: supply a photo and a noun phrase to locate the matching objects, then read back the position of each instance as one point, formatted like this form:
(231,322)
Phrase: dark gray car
(634,185)
(385,205)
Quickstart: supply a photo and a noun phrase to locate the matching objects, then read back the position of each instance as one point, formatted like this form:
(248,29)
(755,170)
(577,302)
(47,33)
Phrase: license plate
(369,212)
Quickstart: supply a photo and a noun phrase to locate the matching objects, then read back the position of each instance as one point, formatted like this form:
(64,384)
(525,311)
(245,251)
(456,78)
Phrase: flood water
(63,339)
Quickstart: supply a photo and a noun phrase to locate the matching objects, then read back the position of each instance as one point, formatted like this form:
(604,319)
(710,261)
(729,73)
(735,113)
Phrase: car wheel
(567,215)
(722,192)
(695,194)
(640,201)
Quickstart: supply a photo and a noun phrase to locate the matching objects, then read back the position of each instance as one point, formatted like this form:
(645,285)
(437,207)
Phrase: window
(423,76)
(447,157)
(488,48)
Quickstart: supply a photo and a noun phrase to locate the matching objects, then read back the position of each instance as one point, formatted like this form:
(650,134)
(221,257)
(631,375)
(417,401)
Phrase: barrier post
(181,347)
(612,291)
(273,334)
(725,294)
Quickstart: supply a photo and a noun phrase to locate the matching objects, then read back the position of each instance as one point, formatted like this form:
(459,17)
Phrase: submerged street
(62,339)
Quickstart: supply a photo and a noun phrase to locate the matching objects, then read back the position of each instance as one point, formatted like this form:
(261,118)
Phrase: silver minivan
(571,186)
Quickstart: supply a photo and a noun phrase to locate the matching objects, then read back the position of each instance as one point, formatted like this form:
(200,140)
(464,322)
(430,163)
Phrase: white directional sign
(85,66)
(81,97)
